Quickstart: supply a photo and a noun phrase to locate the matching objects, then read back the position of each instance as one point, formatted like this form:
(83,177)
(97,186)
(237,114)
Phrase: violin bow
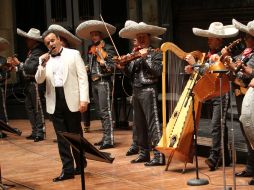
(114,73)
(110,36)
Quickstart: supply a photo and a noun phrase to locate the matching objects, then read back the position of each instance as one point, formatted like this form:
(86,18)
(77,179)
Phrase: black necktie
(58,54)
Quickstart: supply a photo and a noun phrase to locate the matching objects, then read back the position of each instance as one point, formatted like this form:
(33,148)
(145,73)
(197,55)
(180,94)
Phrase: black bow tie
(58,54)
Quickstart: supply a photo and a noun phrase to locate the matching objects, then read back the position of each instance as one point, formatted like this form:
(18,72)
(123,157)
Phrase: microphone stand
(221,72)
(195,181)
(233,137)
(222,133)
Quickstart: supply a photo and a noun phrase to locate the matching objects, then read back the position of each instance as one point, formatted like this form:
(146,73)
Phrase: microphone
(43,63)
(50,51)
(218,71)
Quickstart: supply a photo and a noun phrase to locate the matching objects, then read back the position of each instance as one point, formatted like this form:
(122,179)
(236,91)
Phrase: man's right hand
(13,61)
(44,59)
(190,59)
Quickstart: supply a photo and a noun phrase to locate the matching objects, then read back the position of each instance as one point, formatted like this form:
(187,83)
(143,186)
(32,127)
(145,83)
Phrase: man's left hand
(83,106)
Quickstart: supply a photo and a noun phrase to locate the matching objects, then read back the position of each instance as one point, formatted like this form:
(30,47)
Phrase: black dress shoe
(155,162)
(251,182)
(140,159)
(37,139)
(30,137)
(132,151)
(98,143)
(243,173)
(63,176)
(105,146)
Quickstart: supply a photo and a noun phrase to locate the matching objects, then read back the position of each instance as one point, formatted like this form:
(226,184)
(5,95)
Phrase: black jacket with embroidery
(145,71)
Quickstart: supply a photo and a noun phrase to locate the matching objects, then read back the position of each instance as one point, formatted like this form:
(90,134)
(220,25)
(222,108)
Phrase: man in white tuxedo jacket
(67,94)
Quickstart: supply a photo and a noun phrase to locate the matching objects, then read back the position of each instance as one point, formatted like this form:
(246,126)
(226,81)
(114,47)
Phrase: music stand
(7,128)
(86,150)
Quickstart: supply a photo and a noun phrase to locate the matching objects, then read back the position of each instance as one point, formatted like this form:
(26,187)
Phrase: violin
(124,59)
(98,51)
(5,64)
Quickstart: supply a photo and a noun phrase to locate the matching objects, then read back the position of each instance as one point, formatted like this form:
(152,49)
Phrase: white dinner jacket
(75,80)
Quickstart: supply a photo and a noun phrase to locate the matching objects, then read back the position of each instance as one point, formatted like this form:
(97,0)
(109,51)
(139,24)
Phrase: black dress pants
(66,121)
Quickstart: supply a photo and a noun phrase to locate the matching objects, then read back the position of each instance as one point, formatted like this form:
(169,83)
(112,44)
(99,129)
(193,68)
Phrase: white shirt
(58,69)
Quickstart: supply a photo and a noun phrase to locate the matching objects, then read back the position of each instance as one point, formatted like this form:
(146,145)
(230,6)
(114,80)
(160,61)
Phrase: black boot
(132,150)
(212,160)
(143,156)
(158,160)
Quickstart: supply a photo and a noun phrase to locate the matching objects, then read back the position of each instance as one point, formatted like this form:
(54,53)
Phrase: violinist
(155,41)
(101,67)
(145,73)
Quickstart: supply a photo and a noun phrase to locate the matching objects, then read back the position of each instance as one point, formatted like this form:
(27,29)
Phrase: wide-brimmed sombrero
(4,44)
(133,28)
(85,28)
(33,34)
(64,33)
(217,30)
(155,41)
(249,28)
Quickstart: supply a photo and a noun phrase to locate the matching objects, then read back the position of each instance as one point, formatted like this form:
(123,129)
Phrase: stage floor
(33,165)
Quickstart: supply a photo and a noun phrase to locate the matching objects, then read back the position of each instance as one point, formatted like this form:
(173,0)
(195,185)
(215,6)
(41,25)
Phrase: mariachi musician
(145,72)
(134,148)
(215,35)
(101,67)
(4,75)
(33,92)
(242,67)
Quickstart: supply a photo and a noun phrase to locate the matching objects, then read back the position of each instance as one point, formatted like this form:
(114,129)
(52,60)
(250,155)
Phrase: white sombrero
(217,30)
(155,41)
(4,44)
(249,28)
(133,29)
(61,31)
(85,28)
(128,23)
(33,34)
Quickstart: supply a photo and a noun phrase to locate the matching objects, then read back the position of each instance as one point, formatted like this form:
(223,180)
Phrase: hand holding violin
(11,62)
(124,59)
(100,54)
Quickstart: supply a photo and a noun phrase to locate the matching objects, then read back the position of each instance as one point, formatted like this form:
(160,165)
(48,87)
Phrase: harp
(177,136)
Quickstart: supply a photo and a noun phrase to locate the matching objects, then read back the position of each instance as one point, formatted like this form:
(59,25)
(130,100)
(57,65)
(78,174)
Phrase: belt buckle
(95,78)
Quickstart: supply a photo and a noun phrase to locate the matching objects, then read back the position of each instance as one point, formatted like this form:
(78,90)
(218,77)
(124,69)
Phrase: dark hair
(47,32)
(67,44)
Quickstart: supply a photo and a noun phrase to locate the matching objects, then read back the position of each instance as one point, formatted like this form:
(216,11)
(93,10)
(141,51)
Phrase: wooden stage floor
(33,165)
